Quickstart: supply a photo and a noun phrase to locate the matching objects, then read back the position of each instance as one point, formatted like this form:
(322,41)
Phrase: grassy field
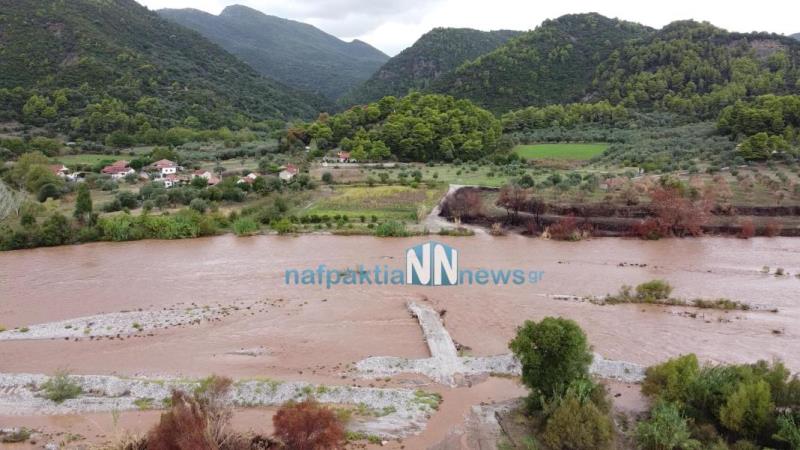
(94,158)
(384,202)
(571,152)
(88,159)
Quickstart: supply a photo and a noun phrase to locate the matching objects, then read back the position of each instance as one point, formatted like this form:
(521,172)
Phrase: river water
(312,333)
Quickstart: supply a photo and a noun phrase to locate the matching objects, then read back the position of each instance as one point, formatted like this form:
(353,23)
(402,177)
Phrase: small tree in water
(554,354)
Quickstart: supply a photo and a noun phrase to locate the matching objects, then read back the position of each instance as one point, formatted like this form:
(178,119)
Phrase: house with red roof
(164,167)
(343,156)
(117,170)
(288,172)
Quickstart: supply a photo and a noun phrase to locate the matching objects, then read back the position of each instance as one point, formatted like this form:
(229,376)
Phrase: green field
(384,202)
(94,158)
(571,152)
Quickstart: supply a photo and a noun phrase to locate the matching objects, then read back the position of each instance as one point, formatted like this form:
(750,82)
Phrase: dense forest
(565,116)
(90,69)
(769,126)
(687,67)
(554,63)
(697,69)
(294,53)
(415,128)
(436,53)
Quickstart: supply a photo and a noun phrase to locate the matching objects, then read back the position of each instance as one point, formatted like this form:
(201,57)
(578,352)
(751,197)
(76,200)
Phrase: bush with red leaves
(772,228)
(565,229)
(183,427)
(308,426)
(531,228)
(747,229)
(649,229)
(466,203)
(199,421)
(679,215)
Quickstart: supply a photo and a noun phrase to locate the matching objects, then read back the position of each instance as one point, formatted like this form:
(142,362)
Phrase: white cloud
(393,25)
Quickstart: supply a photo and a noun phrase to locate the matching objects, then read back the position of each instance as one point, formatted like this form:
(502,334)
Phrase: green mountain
(554,63)
(696,68)
(91,67)
(294,53)
(434,54)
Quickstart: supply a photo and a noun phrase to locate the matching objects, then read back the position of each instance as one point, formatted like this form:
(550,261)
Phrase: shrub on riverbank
(308,426)
(722,403)
(181,225)
(391,229)
(567,408)
(245,226)
(59,230)
(60,388)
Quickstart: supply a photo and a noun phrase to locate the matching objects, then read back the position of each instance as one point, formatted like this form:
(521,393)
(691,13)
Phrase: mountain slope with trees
(796,36)
(91,68)
(432,55)
(293,53)
(554,63)
(695,68)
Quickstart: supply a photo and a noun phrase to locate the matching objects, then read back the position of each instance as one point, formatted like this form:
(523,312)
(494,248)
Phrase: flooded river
(311,333)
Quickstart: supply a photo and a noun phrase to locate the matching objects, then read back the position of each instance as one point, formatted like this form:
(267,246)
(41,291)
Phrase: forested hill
(432,55)
(294,53)
(796,36)
(88,66)
(696,68)
(555,63)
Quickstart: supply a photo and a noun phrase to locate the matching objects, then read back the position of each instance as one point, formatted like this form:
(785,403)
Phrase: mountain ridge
(120,59)
(553,63)
(432,55)
(294,53)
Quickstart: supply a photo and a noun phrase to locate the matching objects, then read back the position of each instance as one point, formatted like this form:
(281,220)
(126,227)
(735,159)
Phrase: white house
(249,178)
(165,167)
(173,180)
(288,172)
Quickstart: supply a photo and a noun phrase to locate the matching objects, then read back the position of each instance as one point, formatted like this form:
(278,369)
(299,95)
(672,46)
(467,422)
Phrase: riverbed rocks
(124,324)
(391,412)
(446,367)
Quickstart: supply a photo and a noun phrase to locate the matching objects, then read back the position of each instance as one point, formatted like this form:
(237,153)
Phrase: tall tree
(554,354)
(83,204)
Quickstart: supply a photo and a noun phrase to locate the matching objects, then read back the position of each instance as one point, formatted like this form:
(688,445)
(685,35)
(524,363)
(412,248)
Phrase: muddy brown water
(312,333)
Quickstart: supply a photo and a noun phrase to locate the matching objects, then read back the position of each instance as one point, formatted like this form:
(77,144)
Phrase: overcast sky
(392,25)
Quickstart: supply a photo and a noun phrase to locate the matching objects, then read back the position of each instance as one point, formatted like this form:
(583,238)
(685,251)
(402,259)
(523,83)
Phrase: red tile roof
(113,169)
(163,163)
